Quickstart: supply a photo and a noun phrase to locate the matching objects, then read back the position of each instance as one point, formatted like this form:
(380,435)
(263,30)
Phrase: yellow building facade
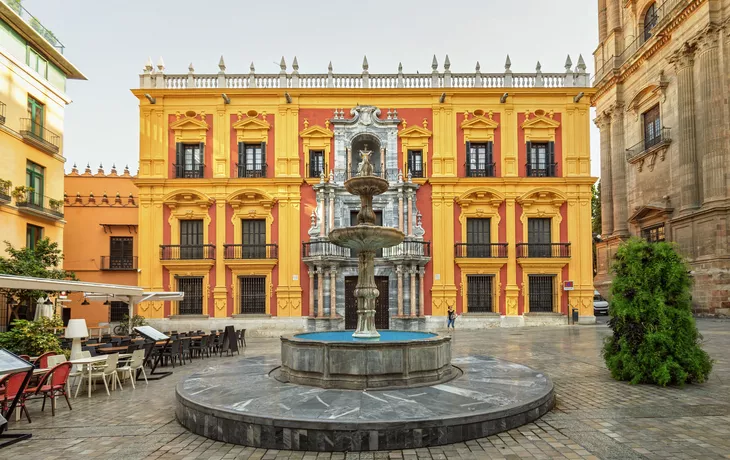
(33,74)
(240,182)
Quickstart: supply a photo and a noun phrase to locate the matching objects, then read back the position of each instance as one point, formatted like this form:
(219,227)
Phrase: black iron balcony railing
(36,202)
(118,263)
(409,249)
(541,170)
(416,170)
(40,136)
(5,190)
(315,170)
(251,171)
(2,112)
(478,250)
(390,174)
(647,145)
(479,170)
(323,249)
(18,8)
(543,250)
(187,252)
(251,251)
(194,171)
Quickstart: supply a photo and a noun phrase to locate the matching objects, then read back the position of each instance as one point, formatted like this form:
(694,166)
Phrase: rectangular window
(192,303)
(415,163)
(37,62)
(654,234)
(190,162)
(121,253)
(191,239)
(36,113)
(252,294)
(541,159)
(316,163)
(479,293)
(252,160)
(539,237)
(478,237)
(33,234)
(541,293)
(652,127)
(117,310)
(479,160)
(35,179)
(253,238)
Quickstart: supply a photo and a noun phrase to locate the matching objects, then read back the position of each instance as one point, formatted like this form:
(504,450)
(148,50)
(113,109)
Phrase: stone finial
(306,123)
(365,65)
(327,124)
(117,198)
(87,171)
(331,176)
(74,170)
(321,177)
(390,115)
(478,67)
(222,64)
(130,199)
(425,123)
(92,200)
(282,65)
(100,172)
(105,198)
(78,198)
(148,65)
(447,63)
(581,64)
(251,68)
(568,64)
(507,64)
(410,176)
(538,67)
(113,172)
(434,64)
(329,67)
(126,171)
(295,65)
(313,219)
(400,175)
(400,67)
(191,69)
(395,114)
(160,65)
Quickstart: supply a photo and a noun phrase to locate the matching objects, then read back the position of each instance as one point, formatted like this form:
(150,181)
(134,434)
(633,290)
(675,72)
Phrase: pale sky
(110,41)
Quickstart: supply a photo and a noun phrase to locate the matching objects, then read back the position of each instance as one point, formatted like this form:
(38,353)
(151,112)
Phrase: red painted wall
(502,232)
(207,155)
(423,201)
(461,146)
(519,239)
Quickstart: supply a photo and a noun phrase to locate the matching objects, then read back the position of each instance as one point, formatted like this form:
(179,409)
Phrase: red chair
(51,385)
(25,357)
(13,384)
(42,361)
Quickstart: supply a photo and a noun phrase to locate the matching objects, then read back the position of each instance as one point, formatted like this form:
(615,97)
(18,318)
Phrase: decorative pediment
(251,199)
(540,126)
(415,132)
(648,96)
(479,128)
(650,211)
(252,129)
(316,138)
(480,197)
(189,129)
(187,198)
(316,132)
(542,197)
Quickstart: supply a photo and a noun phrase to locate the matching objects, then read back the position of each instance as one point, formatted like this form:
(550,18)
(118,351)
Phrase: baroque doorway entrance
(382,313)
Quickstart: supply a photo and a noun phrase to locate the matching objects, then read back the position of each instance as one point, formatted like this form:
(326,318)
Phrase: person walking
(451,318)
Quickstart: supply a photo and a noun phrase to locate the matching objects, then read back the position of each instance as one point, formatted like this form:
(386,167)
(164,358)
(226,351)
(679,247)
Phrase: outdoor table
(93,344)
(109,350)
(88,363)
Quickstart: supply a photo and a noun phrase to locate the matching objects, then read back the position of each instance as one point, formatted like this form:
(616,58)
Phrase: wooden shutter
(468,158)
(490,159)
(263,159)
(179,159)
(529,164)
(551,170)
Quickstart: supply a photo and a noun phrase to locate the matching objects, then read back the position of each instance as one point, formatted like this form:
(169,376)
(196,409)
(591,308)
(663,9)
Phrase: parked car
(600,305)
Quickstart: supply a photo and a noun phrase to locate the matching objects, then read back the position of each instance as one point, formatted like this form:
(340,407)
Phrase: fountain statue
(366,238)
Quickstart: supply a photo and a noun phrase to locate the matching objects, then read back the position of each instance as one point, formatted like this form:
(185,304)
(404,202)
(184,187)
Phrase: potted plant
(5,187)
(20,193)
(55,205)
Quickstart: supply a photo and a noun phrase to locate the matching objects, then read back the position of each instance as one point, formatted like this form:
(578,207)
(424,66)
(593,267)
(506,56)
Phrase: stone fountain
(366,238)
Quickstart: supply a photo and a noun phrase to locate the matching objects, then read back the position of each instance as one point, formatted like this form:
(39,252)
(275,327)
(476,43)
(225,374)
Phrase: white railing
(157,78)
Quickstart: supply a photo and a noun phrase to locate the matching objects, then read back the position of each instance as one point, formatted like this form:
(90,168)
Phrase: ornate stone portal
(366,238)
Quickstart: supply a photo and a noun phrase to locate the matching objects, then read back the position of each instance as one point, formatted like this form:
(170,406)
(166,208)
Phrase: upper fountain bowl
(366,185)
(366,237)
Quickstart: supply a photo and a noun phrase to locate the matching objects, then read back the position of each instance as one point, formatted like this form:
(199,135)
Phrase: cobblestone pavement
(595,417)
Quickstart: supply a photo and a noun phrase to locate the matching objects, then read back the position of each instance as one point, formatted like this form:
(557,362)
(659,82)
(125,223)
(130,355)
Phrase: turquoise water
(346,336)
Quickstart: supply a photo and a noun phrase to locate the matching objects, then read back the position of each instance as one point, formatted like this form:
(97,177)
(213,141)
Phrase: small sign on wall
(567,285)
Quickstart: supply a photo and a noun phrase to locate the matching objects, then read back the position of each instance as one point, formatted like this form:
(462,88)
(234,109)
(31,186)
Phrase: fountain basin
(366,237)
(400,359)
(366,185)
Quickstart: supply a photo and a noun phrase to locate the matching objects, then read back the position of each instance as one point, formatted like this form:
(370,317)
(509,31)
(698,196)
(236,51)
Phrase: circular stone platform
(241,403)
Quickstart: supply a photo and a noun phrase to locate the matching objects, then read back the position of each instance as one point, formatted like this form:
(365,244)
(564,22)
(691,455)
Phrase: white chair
(55,360)
(130,369)
(108,371)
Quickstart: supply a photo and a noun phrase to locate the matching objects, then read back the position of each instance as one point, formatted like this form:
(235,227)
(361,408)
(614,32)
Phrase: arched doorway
(366,142)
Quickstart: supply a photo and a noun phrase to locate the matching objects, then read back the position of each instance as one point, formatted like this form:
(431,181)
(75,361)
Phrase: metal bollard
(575,316)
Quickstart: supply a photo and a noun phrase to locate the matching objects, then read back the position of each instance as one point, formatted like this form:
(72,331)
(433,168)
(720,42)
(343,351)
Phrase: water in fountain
(366,238)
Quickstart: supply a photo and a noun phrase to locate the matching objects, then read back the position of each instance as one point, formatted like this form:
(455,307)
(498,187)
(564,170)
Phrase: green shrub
(32,338)
(654,335)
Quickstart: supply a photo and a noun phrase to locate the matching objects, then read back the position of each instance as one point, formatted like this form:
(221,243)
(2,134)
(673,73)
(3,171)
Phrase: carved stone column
(713,157)
(421,298)
(320,292)
(400,210)
(332,210)
(683,61)
(410,213)
(311,292)
(618,174)
(602,20)
(399,272)
(604,124)
(333,291)
(412,273)
(613,14)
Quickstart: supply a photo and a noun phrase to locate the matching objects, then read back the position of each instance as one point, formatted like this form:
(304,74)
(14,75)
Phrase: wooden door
(350,302)
(382,312)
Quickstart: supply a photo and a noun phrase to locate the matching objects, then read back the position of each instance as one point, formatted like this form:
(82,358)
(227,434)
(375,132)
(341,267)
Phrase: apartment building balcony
(40,206)
(187,256)
(40,137)
(115,263)
(543,250)
(189,171)
(649,149)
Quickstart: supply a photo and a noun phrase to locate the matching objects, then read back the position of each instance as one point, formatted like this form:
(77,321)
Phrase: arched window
(650,20)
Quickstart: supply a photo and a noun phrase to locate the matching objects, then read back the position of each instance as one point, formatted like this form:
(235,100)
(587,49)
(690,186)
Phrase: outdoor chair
(13,384)
(134,365)
(25,357)
(241,335)
(92,341)
(54,361)
(90,350)
(108,371)
(201,347)
(42,361)
(173,352)
(53,384)
(185,350)
(116,341)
